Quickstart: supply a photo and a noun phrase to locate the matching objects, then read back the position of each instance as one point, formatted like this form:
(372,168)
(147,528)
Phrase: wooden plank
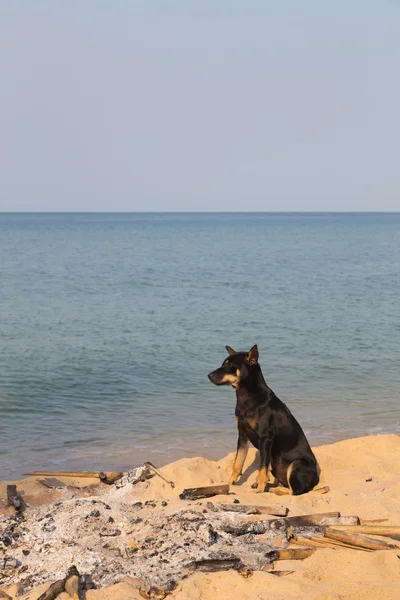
(340,521)
(358,540)
(313,519)
(204,492)
(276,511)
(52,482)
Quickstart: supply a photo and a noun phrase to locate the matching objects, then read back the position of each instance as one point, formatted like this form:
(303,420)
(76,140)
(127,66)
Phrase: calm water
(111,322)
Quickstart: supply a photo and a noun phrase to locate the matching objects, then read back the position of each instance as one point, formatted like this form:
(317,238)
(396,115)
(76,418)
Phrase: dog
(268,424)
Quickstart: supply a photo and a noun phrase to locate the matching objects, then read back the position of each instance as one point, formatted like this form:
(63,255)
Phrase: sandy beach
(363,475)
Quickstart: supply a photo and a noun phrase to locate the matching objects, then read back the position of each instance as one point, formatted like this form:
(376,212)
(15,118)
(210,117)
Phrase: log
(204,492)
(384,530)
(355,539)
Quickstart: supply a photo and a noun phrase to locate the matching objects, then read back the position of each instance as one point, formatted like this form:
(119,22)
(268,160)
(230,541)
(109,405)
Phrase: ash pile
(113,539)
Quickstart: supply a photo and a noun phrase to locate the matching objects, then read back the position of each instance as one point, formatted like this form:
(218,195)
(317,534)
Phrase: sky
(207,105)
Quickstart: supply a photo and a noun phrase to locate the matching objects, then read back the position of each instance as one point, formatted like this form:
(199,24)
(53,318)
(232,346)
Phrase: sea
(110,324)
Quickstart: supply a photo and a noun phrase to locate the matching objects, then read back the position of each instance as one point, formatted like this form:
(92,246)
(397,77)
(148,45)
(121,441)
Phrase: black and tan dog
(268,424)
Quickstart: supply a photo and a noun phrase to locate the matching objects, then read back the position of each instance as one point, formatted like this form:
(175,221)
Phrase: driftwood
(384,530)
(69,584)
(358,540)
(204,492)
(14,499)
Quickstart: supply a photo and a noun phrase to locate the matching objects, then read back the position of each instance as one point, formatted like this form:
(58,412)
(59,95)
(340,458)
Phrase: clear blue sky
(206,105)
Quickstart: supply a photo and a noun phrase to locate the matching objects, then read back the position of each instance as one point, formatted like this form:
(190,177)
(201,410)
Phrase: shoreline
(123,457)
(346,467)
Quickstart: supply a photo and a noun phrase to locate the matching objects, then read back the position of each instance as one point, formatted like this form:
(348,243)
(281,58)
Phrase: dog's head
(235,368)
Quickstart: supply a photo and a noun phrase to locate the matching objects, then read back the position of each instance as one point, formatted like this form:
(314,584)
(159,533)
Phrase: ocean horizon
(112,320)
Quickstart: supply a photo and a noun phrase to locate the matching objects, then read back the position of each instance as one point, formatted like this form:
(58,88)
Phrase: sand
(326,575)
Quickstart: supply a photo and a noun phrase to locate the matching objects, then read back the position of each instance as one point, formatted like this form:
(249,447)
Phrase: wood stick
(276,511)
(238,508)
(83,474)
(309,542)
(204,492)
(384,530)
(329,543)
(357,540)
(369,521)
(157,472)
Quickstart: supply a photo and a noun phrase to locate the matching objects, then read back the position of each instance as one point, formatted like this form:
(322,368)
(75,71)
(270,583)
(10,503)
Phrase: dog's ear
(230,350)
(252,356)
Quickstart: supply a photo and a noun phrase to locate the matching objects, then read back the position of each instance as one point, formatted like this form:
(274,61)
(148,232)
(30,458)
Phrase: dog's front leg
(265,457)
(241,453)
